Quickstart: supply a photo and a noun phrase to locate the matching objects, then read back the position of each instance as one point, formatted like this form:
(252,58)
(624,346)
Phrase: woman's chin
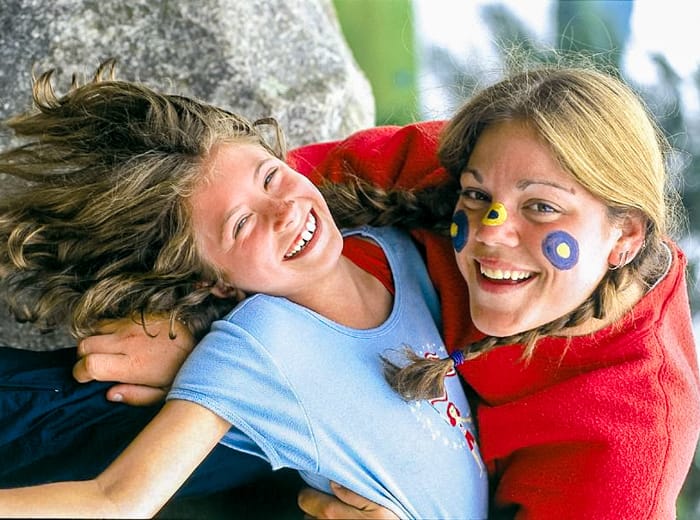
(500,328)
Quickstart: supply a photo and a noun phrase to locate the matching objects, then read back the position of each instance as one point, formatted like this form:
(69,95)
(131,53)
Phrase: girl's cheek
(459,230)
(561,249)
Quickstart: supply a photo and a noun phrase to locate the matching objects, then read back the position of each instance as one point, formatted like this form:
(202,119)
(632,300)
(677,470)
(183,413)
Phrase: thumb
(136,395)
(349,497)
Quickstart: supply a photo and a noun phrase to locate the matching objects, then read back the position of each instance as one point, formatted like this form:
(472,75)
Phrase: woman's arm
(140,481)
(143,363)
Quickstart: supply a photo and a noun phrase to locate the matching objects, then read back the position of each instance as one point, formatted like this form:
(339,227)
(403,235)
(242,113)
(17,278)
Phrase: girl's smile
(303,239)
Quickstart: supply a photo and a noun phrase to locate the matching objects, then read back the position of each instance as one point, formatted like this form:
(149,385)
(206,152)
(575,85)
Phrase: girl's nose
(282,213)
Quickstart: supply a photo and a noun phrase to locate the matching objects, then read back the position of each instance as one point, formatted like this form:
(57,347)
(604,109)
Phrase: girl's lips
(305,239)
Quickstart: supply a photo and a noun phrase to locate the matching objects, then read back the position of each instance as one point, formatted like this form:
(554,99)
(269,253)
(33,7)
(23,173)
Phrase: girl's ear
(221,289)
(633,226)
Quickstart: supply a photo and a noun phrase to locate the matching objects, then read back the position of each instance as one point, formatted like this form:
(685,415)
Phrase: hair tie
(457,357)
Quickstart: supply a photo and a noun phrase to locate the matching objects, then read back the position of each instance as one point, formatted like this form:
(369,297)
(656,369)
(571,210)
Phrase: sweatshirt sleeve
(389,156)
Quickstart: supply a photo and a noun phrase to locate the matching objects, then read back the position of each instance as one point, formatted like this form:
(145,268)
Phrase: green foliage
(381,36)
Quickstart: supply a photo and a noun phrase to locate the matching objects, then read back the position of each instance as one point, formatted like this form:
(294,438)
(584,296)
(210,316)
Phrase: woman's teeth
(304,238)
(499,274)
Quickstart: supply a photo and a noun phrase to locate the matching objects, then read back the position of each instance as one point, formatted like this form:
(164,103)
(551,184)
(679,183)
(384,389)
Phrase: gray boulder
(281,58)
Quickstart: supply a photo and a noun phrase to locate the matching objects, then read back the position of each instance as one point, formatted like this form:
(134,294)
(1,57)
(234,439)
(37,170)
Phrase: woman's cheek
(561,249)
(459,230)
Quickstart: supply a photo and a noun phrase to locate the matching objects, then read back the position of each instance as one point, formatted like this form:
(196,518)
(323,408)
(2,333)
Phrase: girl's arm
(140,481)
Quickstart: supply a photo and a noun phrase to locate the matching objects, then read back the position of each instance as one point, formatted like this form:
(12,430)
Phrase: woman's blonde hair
(600,131)
(99,227)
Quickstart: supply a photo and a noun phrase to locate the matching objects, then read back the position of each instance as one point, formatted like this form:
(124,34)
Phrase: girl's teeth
(305,237)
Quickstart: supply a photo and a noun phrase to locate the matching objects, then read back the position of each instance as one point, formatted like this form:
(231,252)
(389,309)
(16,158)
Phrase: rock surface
(281,58)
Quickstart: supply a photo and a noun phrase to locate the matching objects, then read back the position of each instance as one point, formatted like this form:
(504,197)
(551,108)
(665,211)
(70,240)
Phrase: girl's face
(530,241)
(265,226)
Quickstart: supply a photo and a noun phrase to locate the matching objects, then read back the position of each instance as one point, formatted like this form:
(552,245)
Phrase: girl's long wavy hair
(600,132)
(98,226)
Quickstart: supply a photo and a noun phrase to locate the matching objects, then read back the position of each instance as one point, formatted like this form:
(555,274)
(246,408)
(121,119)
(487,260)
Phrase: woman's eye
(270,176)
(543,207)
(470,194)
(239,226)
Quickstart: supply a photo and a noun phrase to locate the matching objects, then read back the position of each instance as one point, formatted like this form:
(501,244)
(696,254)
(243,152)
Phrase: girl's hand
(345,504)
(143,364)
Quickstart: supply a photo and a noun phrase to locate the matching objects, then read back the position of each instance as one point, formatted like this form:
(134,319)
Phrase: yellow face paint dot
(454,229)
(496,215)
(563,250)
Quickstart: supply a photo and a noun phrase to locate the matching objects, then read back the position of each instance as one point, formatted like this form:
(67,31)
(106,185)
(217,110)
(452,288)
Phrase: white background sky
(670,27)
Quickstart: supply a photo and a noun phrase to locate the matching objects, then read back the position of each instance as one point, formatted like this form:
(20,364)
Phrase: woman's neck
(626,299)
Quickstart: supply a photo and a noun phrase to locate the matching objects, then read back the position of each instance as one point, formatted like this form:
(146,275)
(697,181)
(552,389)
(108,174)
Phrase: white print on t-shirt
(452,414)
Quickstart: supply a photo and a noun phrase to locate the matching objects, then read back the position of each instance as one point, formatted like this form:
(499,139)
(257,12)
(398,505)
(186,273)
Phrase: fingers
(105,343)
(136,395)
(315,504)
(350,498)
(103,367)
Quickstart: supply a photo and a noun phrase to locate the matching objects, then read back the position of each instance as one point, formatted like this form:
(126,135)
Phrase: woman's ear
(633,226)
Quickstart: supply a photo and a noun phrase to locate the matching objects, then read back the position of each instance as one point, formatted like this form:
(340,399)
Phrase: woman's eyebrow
(475,173)
(525,183)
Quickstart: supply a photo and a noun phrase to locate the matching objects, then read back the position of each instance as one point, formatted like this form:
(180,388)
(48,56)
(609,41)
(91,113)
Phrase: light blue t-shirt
(307,393)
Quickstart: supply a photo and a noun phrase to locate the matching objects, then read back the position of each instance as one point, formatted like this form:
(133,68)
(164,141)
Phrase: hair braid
(423,378)
(356,202)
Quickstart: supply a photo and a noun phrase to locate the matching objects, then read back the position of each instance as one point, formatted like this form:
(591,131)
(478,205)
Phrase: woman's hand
(143,364)
(342,504)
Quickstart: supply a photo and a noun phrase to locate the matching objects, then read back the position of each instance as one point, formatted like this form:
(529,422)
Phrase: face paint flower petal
(495,216)
(459,230)
(561,249)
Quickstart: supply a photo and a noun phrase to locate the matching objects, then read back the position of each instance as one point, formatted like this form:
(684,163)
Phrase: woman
(583,361)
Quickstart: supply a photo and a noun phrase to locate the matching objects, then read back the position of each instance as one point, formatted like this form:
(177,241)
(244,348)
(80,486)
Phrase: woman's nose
(497,227)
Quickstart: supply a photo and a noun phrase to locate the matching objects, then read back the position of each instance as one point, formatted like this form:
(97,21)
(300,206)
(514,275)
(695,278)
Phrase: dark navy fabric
(54,428)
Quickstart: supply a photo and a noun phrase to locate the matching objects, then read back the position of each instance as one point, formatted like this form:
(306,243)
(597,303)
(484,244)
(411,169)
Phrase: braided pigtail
(423,378)
(355,202)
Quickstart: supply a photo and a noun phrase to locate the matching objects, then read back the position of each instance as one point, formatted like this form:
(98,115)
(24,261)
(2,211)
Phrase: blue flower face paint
(495,216)
(459,230)
(561,249)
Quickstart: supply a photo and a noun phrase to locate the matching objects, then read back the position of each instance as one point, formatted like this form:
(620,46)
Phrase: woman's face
(530,241)
(265,226)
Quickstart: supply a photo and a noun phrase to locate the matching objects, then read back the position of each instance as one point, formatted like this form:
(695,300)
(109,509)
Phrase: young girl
(144,201)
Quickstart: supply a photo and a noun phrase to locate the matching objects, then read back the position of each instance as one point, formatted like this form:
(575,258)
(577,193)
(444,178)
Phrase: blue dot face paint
(495,216)
(561,249)
(459,230)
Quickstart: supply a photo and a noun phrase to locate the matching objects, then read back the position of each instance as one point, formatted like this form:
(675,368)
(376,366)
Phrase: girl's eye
(239,226)
(270,176)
